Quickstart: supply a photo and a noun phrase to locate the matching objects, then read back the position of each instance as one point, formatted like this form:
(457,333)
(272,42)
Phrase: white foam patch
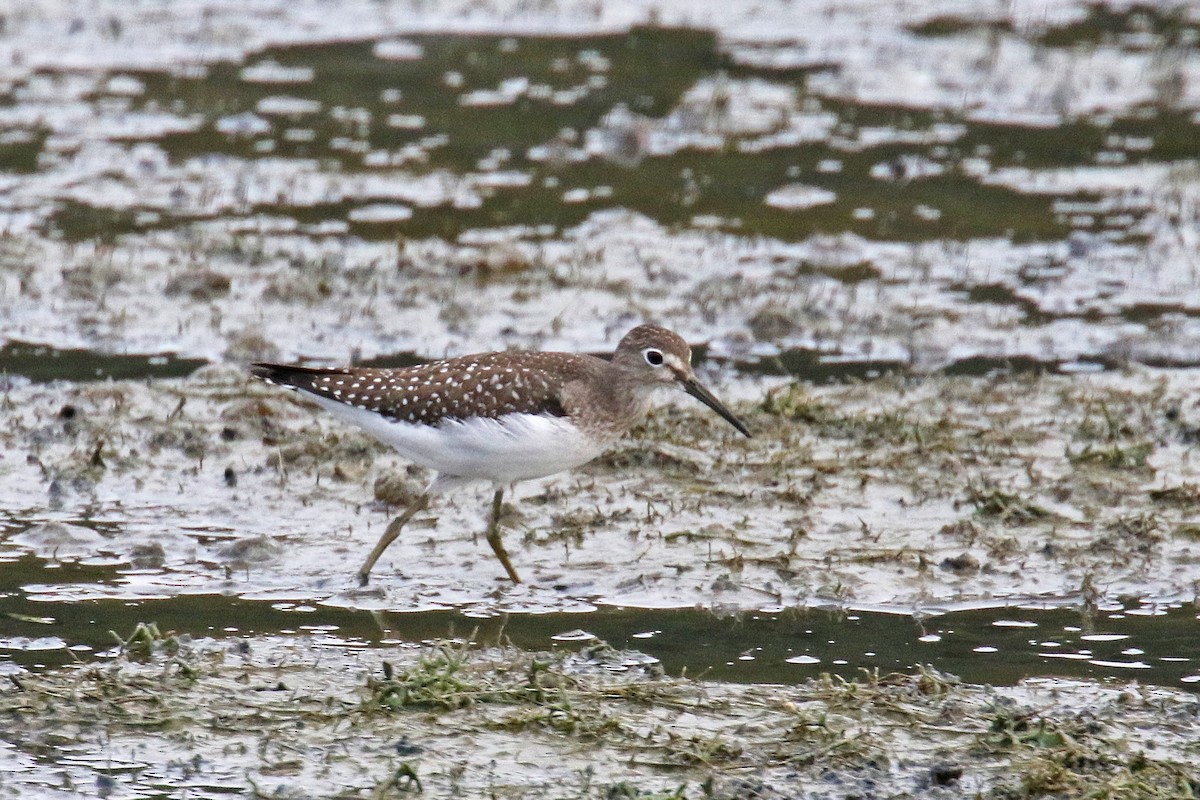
(796,196)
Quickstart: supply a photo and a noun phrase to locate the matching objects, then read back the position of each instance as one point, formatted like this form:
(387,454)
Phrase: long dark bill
(693,387)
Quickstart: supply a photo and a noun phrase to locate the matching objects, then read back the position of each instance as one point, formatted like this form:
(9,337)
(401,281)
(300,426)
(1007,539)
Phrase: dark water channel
(1000,646)
(41,363)
(20,361)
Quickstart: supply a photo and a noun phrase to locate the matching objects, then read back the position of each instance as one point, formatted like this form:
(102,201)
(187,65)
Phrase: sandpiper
(501,417)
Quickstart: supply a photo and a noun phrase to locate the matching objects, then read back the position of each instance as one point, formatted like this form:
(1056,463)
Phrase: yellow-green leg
(390,535)
(493,537)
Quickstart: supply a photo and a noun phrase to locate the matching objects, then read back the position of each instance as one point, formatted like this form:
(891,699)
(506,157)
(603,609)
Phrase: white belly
(515,447)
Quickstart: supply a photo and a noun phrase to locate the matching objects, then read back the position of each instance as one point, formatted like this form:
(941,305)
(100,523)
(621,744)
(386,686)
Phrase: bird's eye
(653,357)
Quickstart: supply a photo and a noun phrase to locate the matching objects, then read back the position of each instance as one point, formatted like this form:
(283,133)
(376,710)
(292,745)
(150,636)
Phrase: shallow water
(994,209)
(349,109)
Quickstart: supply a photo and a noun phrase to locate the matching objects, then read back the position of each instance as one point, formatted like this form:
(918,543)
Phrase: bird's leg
(493,537)
(390,535)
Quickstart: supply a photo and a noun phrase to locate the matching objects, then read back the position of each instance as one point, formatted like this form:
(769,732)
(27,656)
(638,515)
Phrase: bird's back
(487,385)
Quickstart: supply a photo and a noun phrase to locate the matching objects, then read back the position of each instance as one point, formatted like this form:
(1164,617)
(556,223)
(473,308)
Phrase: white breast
(514,447)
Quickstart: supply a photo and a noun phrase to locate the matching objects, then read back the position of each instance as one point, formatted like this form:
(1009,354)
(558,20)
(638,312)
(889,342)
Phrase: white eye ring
(653,357)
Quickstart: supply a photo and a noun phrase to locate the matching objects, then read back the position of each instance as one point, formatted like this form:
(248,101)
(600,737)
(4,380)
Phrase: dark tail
(290,375)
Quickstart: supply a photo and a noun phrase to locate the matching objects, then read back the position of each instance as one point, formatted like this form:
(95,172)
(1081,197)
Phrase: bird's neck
(608,408)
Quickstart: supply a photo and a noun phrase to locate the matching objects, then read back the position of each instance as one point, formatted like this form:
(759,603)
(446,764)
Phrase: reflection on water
(999,646)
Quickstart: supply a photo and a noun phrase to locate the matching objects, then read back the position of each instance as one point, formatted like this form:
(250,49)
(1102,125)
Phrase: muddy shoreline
(304,717)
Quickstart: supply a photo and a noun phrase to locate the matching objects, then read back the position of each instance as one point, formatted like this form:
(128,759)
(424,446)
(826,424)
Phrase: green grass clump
(1114,457)
(437,680)
(1007,506)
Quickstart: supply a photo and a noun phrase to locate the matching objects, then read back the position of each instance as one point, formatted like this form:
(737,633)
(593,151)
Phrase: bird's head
(659,357)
